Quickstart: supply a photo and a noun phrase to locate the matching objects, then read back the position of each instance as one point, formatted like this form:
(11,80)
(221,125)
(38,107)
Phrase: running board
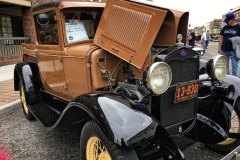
(44,113)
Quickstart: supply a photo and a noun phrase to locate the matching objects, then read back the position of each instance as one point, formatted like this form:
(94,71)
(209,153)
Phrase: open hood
(129,30)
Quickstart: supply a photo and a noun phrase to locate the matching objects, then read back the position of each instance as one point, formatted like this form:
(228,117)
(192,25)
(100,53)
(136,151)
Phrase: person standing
(230,30)
(204,39)
(208,37)
(191,38)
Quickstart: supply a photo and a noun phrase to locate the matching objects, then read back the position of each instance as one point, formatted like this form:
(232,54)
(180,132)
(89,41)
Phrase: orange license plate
(186,91)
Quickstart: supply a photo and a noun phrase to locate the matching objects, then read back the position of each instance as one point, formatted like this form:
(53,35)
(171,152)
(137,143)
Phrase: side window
(46,28)
(81,24)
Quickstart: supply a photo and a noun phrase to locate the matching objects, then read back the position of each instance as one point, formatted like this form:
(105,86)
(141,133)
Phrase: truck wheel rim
(23,99)
(96,150)
(235,128)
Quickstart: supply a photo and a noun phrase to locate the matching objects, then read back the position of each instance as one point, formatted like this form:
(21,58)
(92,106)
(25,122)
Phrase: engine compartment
(114,75)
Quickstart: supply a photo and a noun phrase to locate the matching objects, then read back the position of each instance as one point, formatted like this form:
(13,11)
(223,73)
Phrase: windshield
(81,24)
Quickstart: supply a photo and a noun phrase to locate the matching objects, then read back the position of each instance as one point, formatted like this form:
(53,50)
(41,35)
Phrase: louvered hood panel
(128,30)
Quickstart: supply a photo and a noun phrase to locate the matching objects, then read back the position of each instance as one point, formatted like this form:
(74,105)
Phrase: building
(236,11)
(214,27)
(12,32)
(16,28)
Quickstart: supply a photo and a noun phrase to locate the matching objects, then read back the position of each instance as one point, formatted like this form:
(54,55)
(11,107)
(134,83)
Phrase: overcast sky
(201,11)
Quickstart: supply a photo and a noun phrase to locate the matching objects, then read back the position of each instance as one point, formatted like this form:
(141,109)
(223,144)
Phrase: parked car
(199,48)
(116,71)
(215,38)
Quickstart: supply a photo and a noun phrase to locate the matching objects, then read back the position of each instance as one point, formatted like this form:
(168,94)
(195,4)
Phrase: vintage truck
(116,70)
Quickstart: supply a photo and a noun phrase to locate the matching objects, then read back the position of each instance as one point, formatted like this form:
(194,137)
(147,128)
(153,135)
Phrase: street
(211,51)
(24,140)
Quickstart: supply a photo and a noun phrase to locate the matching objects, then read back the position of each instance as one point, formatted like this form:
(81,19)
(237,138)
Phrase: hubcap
(23,99)
(96,150)
(235,128)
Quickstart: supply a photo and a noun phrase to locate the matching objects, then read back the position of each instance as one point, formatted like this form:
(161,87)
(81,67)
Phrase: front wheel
(231,143)
(94,145)
(23,99)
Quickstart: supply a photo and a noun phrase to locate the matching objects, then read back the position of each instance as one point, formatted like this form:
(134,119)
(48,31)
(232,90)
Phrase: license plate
(186,91)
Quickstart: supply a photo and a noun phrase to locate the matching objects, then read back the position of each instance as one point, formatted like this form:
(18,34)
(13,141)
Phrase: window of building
(81,24)
(46,28)
(6,26)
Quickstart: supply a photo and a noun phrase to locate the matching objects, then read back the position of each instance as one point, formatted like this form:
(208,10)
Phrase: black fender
(28,74)
(215,109)
(120,120)
(227,81)
(207,131)
(202,66)
(218,108)
(235,81)
(116,117)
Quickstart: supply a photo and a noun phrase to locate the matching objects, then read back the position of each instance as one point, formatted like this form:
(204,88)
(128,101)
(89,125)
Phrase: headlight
(217,67)
(159,77)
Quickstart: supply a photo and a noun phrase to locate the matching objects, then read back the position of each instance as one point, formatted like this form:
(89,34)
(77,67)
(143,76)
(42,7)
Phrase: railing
(11,46)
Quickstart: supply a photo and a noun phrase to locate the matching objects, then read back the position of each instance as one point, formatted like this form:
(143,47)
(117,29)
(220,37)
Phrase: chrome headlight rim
(150,71)
(212,67)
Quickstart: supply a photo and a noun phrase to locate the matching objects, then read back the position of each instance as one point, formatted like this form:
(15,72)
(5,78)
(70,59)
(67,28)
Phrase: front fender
(235,81)
(227,81)
(202,66)
(219,108)
(117,118)
(121,121)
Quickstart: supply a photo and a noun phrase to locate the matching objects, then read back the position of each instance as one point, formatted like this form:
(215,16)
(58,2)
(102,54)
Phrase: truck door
(79,27)
(49,53)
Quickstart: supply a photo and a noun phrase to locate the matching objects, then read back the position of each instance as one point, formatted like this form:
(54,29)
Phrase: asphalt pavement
(24,140)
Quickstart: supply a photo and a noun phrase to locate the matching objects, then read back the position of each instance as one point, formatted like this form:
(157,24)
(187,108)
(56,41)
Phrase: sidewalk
(7,93)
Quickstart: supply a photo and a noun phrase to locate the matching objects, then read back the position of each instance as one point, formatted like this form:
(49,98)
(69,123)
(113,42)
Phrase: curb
(6,108)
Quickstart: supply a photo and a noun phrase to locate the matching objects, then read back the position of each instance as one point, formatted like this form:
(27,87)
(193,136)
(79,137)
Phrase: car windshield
(81,24)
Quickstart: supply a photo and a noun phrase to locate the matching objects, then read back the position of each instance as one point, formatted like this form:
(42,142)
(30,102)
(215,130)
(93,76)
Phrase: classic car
(116,70)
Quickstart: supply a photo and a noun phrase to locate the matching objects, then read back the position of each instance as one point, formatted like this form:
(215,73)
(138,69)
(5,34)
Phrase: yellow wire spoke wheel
(96,150)
(94,145)
(23,99)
